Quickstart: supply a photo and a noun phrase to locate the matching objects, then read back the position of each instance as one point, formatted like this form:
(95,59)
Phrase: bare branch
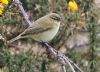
(62,58)
(73,64)
(64,69)
(25,16)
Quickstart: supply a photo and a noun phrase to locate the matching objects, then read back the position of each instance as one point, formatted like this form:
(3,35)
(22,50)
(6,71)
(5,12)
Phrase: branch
(25,16)
(58,55)
(62,58)
(63,68)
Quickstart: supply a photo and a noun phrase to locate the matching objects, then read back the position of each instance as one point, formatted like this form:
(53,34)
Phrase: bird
(43,29)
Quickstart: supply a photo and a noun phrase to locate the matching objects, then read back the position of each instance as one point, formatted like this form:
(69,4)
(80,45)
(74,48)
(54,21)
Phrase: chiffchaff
(43,30)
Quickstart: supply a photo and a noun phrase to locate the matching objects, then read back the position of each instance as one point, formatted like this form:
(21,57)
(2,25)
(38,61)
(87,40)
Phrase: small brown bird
(43,30)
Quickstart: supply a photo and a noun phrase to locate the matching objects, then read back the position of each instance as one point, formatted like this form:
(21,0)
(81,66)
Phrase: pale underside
(46,35)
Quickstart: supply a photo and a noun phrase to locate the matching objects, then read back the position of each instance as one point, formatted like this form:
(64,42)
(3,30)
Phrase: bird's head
(55,17)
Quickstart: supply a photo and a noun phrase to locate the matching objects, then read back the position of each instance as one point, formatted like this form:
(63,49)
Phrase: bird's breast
(48,35)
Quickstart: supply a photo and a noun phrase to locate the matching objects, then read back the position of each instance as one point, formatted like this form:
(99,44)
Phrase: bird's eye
(56,18)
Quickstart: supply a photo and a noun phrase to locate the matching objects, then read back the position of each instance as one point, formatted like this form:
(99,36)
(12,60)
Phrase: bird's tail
(14,39)
(18,37)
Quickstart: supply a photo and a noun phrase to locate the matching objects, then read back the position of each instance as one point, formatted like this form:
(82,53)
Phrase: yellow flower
(1,6)
(1,11)
(72,5)
(4,1)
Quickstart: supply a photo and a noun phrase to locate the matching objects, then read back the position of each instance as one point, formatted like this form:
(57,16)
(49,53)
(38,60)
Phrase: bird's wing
(36,30)
(39,26)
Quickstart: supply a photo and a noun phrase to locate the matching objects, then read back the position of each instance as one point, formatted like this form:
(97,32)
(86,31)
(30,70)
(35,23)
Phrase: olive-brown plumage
(43,30)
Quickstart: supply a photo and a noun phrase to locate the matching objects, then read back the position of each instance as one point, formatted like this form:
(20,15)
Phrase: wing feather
(37,30)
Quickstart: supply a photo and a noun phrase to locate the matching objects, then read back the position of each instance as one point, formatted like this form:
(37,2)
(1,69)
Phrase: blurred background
(78,37)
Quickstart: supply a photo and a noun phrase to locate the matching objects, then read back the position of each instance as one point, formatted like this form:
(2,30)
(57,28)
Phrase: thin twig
(74,64)
(60,57)
(25,16)
(63,68)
